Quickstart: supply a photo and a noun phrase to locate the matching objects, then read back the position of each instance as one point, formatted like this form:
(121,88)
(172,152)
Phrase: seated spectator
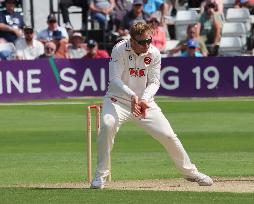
(101,11)
(191,34)
(49,50)
(76,49)
(93,51)
(192,50)
(65,4)
(210,26)
(28,48)
(153,6)
(135,15)
(122,7)
(159,35)
(61,44)
(47,34)
(218,3)
(11,22)
(7,50)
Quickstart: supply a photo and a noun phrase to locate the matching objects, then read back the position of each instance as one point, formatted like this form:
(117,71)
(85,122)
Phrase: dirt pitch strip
(235,185)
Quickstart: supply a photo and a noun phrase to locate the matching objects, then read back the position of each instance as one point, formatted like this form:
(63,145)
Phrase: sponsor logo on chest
(138,68)
(136,72)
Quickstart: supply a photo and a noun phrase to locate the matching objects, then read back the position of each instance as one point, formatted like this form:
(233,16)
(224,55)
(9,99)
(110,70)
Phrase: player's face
(141,43)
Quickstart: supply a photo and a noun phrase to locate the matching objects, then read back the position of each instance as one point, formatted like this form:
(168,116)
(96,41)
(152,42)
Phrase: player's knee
(109,122)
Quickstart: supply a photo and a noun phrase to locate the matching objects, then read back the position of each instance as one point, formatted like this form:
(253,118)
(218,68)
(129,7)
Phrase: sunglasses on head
(143,42)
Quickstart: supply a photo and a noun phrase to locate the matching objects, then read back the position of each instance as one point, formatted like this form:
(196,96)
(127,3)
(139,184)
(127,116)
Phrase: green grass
(88,196)
(47,144)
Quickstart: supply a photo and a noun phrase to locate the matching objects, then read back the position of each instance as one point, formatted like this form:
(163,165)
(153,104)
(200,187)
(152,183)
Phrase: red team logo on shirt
(147,60)
(137,72)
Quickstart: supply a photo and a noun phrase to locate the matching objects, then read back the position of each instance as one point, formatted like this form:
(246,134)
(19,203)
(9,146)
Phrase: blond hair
(139,29)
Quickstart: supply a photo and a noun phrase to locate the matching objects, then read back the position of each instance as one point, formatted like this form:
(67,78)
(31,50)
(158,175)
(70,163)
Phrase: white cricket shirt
(131,74)
(25,52)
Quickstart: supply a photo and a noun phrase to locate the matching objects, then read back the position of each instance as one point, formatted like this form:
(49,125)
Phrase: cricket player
(134,79)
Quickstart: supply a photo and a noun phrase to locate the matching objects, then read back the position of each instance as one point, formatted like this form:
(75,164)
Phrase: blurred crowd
(22,42)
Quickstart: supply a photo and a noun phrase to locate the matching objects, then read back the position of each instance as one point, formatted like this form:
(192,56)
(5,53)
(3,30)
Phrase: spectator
(76,49)
(192,51)
(28,48)
(122,7)
(191,34)
(153,6)
(11,22)
(101,11)
(94,52)
(7,50)
(159,35)
(218,3)
(210,26)
(135,15)
(47,34)
(49,50)
(61,44)
(65,4)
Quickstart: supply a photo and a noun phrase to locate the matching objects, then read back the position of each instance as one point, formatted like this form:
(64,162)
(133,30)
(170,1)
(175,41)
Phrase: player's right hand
(135,107)
(144,108)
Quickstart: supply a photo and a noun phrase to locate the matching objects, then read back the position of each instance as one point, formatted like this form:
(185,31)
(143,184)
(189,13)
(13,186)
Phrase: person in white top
(47,34)
(28,48)
(134,79)
(76,48)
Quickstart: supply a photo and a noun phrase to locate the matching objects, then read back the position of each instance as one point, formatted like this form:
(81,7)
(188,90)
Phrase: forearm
(150,91)
(217,33)
(5,27)
(94,8)
(121,88)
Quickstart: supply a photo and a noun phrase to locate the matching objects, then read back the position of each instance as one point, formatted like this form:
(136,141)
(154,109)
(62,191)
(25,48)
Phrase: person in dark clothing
(121,8)
(49,50)
(65,4)
(135,15)
(11,22)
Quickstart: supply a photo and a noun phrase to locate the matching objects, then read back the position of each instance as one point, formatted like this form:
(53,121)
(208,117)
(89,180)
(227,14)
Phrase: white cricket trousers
(114,114)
